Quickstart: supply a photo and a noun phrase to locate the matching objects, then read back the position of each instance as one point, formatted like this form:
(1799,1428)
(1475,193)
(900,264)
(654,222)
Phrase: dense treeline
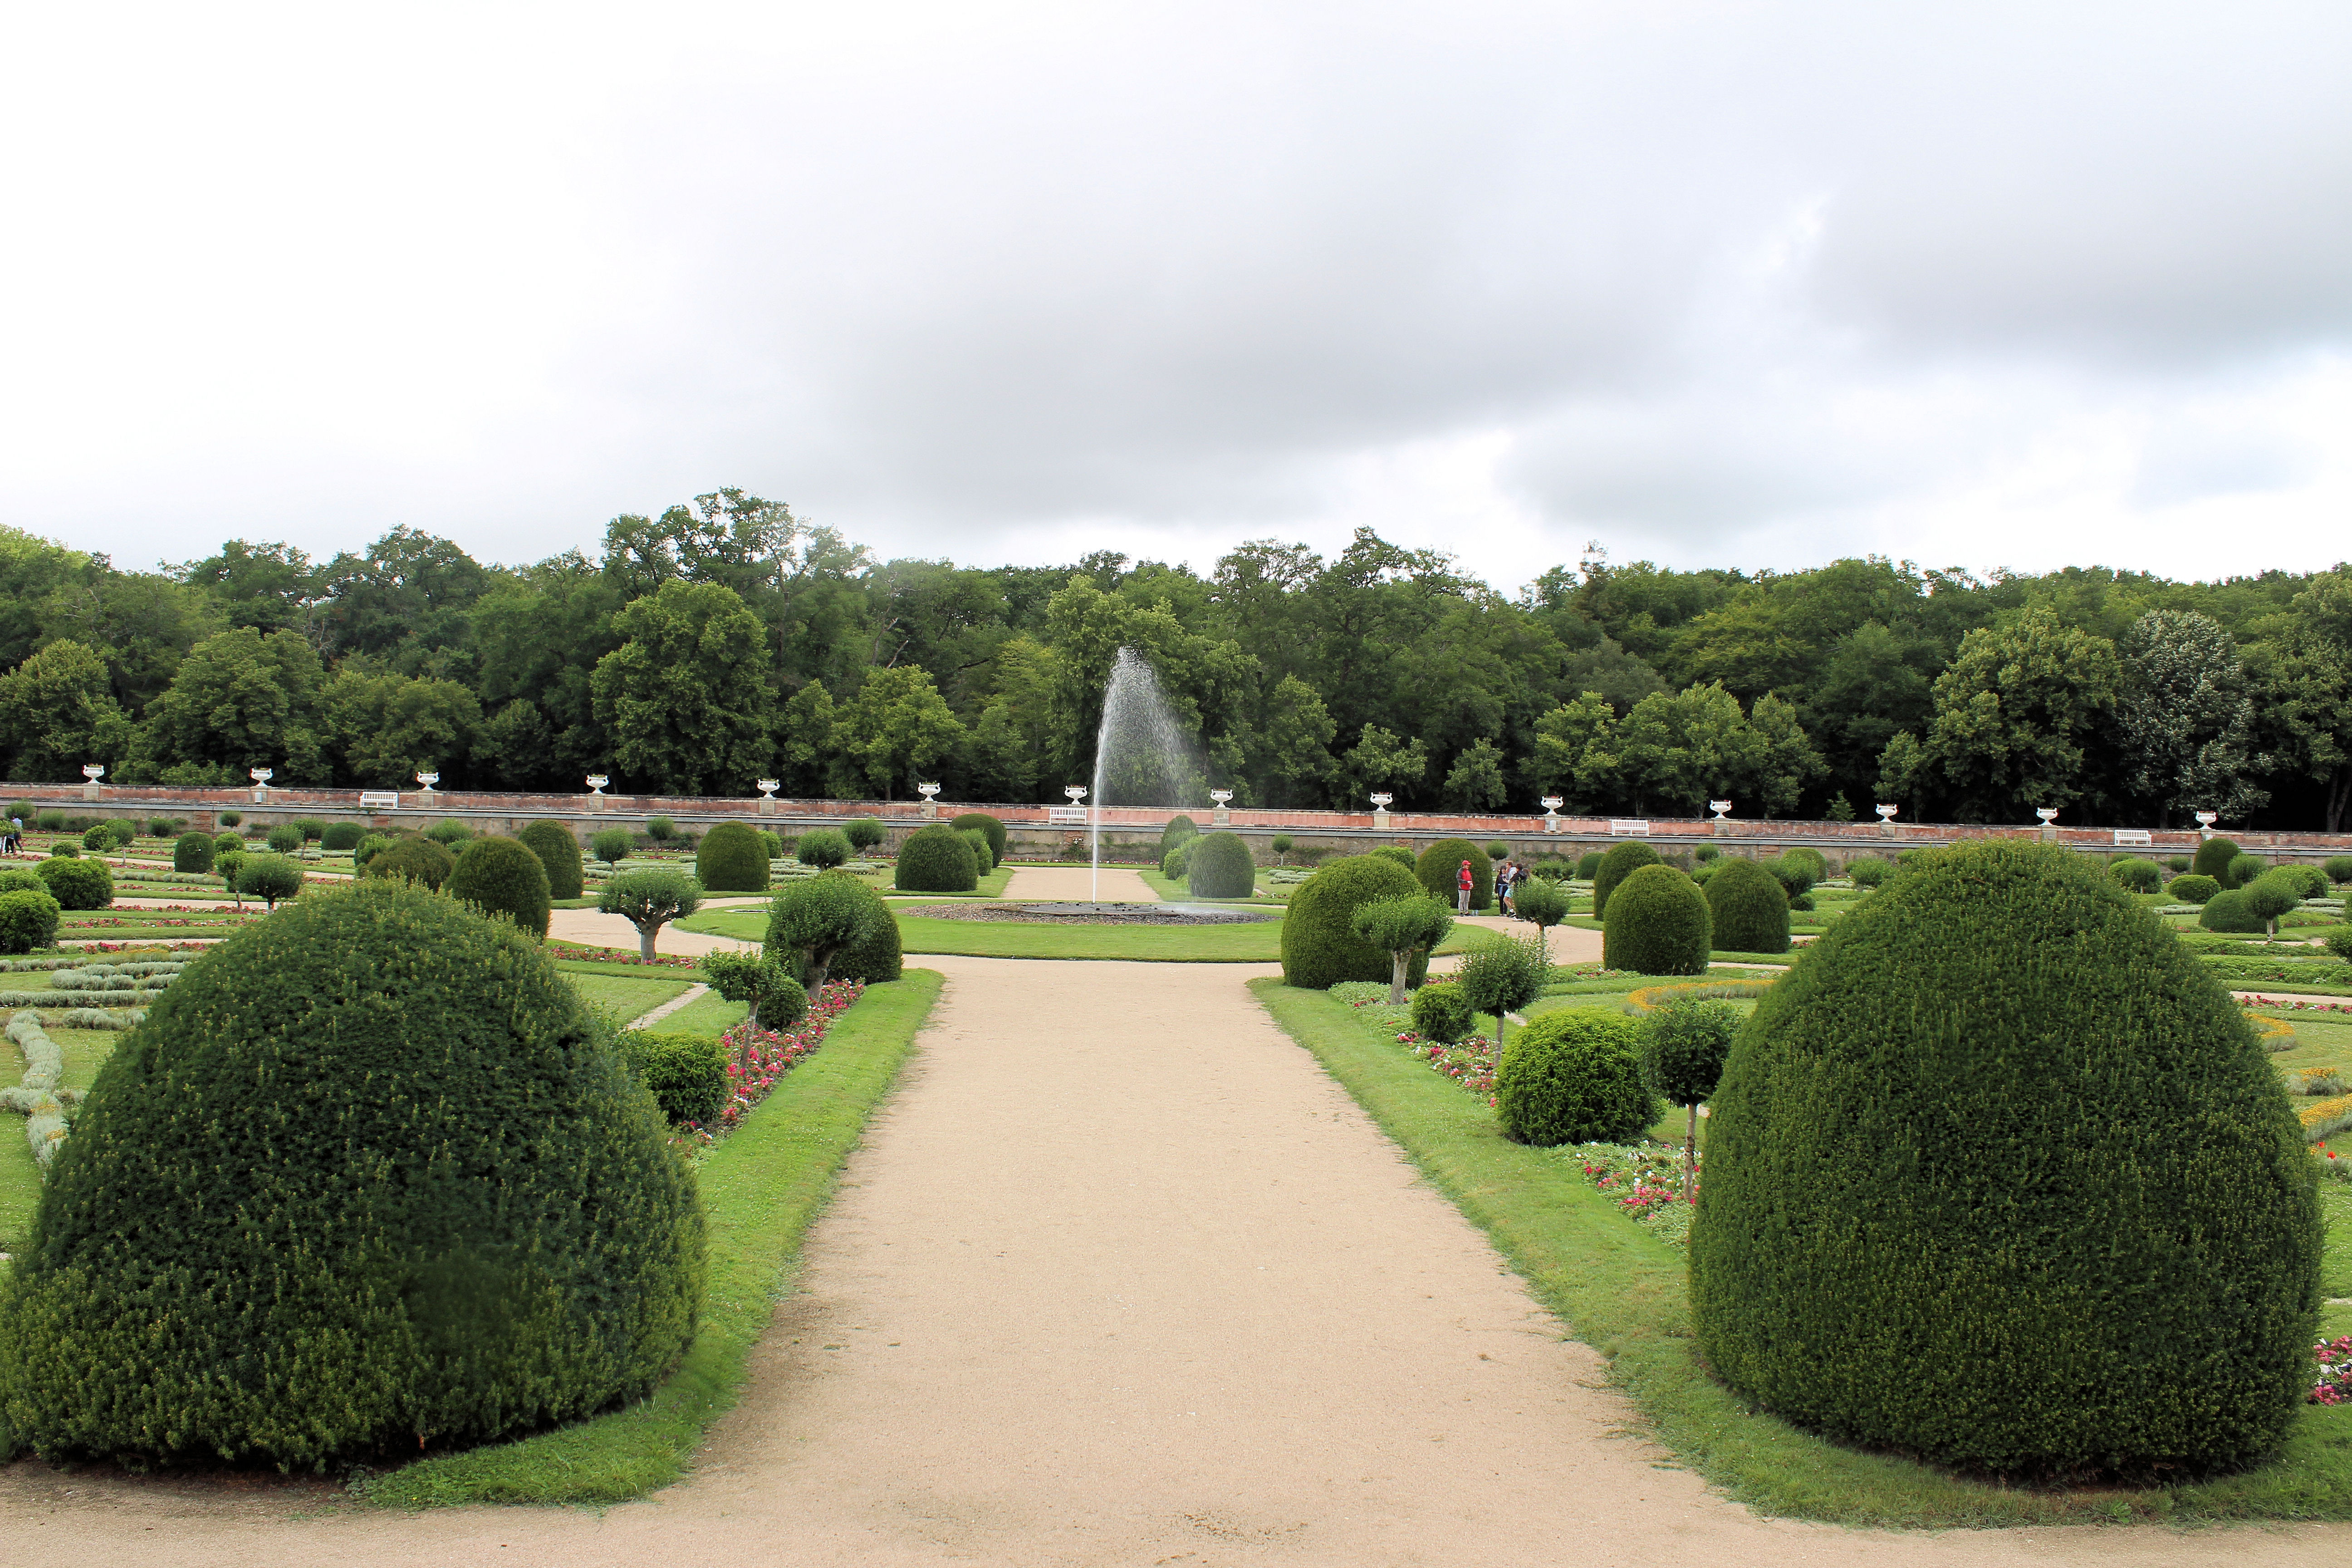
(728,640)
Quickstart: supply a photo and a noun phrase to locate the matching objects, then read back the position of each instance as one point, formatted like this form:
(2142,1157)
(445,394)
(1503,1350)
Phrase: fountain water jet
(1142,756)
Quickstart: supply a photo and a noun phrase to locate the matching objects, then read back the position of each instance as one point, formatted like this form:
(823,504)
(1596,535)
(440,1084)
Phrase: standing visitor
(1463,883)
(16,836)
(1506,877)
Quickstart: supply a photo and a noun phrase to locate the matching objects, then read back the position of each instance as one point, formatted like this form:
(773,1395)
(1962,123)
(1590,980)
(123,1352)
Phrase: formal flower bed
(1646,1180)
(757,1059)
(2334,1385)
(616,956)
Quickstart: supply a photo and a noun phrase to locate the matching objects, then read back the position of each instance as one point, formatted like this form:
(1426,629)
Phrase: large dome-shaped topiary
(365,1179)
(731,859)
(192,852)
(1750,906)
(1657,924)
(988,824)
(1318,950)
(1574,1076)
(1219,866)
(412,859)
(502,877)
(1439,869)
(936,859)
(1998,1175)
(1621,862)
(558,852)
(2213,857)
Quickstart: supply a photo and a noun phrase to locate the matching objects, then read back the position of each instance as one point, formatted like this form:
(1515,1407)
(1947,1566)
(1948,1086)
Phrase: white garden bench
(1065,815)
(379,800)
(2137,837)
(1629,827)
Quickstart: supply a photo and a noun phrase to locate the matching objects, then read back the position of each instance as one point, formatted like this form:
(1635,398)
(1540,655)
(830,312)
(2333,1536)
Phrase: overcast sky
(1986,284)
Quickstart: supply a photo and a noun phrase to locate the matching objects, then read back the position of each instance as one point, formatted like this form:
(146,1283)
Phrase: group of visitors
(1508,875)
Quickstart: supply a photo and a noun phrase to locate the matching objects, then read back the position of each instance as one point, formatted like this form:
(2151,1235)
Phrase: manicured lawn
(1623,1291)
(626,996)
(1259,941)
(86,1050)
(760,1188)
(710,1015)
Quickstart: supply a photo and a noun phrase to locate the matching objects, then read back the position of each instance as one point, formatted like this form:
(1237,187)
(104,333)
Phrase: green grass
(626,996)
(760,1188)
(1624,1292)
(1181,892)
(1257,943)
(85,1050)
(710,1015)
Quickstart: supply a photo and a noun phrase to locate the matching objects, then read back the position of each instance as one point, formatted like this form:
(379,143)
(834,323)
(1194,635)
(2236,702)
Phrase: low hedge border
(1625,1293)
(760,1188)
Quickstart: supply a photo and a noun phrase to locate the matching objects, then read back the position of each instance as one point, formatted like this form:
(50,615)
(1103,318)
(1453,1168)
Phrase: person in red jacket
(1463,884)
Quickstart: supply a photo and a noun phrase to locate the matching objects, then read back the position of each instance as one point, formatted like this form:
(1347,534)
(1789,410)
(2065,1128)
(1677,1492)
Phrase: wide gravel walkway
(1121,1277)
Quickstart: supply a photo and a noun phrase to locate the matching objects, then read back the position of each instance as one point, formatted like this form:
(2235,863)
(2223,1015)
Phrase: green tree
(2304,670)
(1402,928)
(1382,760)
(242,700)
(384,728)
(2184,719)
(2017,715)
(650,899)
(57,713)
(1782,760)
(894,729)
(1574,754)
(685,696)
(1474,782)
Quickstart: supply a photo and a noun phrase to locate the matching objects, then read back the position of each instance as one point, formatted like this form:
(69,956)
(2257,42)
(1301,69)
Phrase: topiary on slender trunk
(1999,1176)
(454,1218)
(1318,949)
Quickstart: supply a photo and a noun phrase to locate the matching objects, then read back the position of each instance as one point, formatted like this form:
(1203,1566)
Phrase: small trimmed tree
(1503,974)
(759,980)
(500,876)
(1403,928)
(2193,889)
(649,899)
(1439,869)
(1574,1076)
(611,844)
(2136,874)
(660,829)
(1658,924)
(1319,948)
(1749,907)
(1622,861)
(227,864)
(1684,1047)
(192,852)
(1219,865)
(2268,897)
(1542,903)
(731,859)
(559,854)
(269,878)
(862,832)
(816,919)
(284,839)
(1280,844)
(824,849)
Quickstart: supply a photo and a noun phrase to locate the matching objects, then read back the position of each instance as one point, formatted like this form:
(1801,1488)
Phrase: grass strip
(761,1187)
(1624,1292)
(1256,942)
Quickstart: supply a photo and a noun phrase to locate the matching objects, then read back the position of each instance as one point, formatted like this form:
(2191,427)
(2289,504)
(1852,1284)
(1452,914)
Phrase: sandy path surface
(611,930)
(1059,884)
(1121,1278)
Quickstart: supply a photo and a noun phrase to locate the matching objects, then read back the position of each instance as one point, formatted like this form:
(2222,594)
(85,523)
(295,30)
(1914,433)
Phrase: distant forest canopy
(727,640)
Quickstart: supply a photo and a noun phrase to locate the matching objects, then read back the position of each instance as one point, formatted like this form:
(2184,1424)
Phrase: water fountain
(1143,756)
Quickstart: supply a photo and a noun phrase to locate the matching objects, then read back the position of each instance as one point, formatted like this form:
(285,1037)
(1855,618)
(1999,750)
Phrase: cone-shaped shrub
(192,852)
(1658,924)
(1622,861)
(989,826)
(502,876)
(1750,909)
(936,859)
(2213,857)
(1318,950)
(1440,870)
(731,859)
(558,852)
(1219,866)
(1574,1076)
(1999,1176)
(412,859)
(453,1215)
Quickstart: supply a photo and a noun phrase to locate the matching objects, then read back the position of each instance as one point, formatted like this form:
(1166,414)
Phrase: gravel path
(1059,884)
(1120,1276)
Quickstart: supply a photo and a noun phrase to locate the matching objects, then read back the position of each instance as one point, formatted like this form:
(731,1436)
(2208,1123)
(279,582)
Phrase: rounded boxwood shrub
(989,826)
(1172,866)
(456,1217)
(341,837)
(611,844)
(936,859)
(1220,866)
(685,1074)
(284,839)
(1796,876)
(1806,852)
(2138,875)
(192,852)
(78,884)
(1439,869)
(2193,889)
(2244,869)
(1440,1013)
(1749,912)
(65,850)
(1622,861)
(2213,857)
(368,848)
(877,956)
(96,839)
(731,859)
(983,859)
(2081,1238)
(1180,829)
(29,920)
(21,879)
(449,831)
(2337,868)
(503,877)
(223,843)
(2228,911)
(824,849)
(558,853)
(1658,924)
(862,832)
(412,859)
(1318,950)
(1869,871)
(309,827)
(1588,865)
(1574,1076)
(228,818)
(1403,857)
(2309,881)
